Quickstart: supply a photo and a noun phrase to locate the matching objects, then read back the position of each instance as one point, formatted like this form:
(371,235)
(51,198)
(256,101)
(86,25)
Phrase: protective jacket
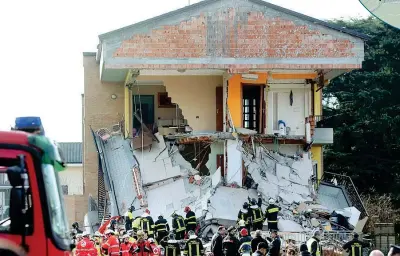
(193,247)
(126,249)
(111,246)
(147,225)
(314,247)
(172,248)
(161,229)
(141,248)
(85,247)
(190,221)
(355,247)
(271,213)
(178,225)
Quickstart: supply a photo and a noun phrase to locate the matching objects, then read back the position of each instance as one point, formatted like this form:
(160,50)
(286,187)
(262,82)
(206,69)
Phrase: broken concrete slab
(234,156)
(289,226)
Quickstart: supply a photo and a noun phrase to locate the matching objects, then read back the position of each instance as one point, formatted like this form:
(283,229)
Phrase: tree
(366,113)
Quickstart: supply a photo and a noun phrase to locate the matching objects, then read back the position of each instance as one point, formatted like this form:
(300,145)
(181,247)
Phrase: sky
(42,41)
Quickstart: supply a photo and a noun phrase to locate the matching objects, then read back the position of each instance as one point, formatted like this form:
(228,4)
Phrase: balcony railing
(347,183)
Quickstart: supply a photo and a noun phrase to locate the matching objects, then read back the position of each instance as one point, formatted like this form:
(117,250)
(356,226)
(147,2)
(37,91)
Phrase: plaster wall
(73,178)
(293,115)
(195,96)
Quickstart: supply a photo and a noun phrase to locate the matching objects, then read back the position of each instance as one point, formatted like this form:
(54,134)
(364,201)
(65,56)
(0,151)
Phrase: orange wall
(235,95)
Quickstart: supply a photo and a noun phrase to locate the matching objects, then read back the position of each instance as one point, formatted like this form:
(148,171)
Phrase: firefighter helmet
(244,232)
(97,234)
(109,232)
(271,201)
(85,233)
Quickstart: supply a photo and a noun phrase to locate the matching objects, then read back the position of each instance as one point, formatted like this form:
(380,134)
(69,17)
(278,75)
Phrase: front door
(143,106)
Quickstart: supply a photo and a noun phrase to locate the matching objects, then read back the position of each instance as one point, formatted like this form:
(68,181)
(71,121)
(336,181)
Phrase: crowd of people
(142,236)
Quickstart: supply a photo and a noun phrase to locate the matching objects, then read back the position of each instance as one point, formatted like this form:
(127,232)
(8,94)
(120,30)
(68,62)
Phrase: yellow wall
(317,150)
(195,96)
(317,156)
(235,95)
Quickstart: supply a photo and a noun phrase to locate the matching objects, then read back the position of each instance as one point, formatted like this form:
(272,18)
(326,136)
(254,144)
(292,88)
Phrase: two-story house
(227,66)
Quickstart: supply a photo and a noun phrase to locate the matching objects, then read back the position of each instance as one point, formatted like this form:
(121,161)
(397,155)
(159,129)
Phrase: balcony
(321,133)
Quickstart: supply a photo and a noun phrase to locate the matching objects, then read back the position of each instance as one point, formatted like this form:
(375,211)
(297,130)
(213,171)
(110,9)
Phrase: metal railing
(347,184)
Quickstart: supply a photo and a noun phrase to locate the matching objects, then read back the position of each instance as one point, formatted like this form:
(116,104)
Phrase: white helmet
(85,233)
(242,223)
(271,201)
(97,233)
(109,231)
(79,235)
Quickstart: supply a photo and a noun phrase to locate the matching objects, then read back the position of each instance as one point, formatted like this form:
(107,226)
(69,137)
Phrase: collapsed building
(219,101)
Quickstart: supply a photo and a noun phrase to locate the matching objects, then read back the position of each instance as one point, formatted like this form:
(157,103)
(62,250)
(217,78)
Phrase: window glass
(55,201)
(5,198)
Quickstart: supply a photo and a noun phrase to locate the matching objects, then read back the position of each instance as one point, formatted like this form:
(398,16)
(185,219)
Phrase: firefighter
(313,244)
(75,226)
(256,214)
(129,218)
(230,244)
(245,242)
(126,247)
(161,228)
(85,247)
(141,247)
(193,246)
(136,224)
(271,213)
(190,220)
(147,223)
(355,247)
(97,242)
(243,215)
(172,247)
(111,244)
(178,225)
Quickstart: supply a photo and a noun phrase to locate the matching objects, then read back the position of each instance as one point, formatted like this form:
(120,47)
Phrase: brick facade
(251,35)
(101,111)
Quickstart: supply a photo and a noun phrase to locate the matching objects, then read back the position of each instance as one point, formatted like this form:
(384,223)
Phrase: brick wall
(236,35)
(101,111)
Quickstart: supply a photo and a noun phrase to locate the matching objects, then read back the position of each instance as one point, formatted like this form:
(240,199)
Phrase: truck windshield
(58,218)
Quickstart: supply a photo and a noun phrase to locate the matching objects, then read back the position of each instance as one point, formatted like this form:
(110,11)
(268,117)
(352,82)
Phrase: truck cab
(32,212)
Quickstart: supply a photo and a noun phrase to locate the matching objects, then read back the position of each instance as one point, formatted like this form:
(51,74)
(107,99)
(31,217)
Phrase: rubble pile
(170,183)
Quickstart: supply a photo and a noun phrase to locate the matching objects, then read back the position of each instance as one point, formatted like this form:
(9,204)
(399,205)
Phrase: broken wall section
(282,176)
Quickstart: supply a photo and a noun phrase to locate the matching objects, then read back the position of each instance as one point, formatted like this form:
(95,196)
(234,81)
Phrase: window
(64,189)
(5,198)
(55,202)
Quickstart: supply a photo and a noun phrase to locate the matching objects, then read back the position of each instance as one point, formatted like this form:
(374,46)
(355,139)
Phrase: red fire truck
(32,214)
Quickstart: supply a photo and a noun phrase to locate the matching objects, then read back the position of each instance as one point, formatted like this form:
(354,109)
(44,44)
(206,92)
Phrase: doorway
(145,104)
(253,107)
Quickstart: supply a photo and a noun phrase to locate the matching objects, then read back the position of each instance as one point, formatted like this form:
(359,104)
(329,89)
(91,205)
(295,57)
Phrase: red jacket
(127,249)
(154,250)
(85,247)
(141,248)
(111,246)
